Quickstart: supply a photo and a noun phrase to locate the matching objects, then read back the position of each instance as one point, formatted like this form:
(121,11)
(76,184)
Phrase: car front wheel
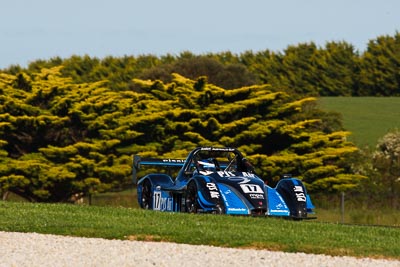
(146,195)
(191,198)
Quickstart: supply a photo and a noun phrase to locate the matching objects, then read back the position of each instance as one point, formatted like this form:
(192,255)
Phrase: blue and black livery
(219,180)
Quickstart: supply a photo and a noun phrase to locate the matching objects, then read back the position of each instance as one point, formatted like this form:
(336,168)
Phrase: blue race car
(221,181)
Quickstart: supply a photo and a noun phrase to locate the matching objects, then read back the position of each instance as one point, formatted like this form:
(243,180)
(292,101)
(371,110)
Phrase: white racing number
(161,203)
(214,193)
(251,188)
(301,197)
(157,200)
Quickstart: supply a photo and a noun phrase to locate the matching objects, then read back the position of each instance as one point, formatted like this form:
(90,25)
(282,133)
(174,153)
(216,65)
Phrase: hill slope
(368,118)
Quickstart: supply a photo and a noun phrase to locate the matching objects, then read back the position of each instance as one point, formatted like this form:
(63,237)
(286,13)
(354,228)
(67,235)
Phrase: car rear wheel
(191,198)
(146,195)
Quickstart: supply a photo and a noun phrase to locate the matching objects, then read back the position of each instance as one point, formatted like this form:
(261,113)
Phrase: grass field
(327,211)
(368,118)
(217,230)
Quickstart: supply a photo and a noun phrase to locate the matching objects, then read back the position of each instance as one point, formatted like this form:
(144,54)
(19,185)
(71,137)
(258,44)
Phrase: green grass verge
(226,231)
(368,118)
(328,210)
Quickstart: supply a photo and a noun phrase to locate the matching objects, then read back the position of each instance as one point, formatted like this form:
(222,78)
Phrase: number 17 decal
(251,188)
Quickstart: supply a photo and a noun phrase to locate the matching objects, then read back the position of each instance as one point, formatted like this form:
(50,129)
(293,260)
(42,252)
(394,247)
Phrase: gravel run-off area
(32,249)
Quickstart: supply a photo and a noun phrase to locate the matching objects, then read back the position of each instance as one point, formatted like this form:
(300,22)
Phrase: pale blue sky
(42,29)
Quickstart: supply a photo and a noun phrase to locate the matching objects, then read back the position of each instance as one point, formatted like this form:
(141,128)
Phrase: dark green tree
(337,66)
(379,75)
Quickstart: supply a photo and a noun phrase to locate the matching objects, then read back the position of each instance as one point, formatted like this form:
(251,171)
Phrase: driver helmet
(207,165)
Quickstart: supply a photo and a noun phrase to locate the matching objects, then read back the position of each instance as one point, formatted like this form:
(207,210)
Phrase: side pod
(209,196)
(295,195)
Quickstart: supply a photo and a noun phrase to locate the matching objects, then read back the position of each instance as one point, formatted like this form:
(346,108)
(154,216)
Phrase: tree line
(337,69)
(59,138)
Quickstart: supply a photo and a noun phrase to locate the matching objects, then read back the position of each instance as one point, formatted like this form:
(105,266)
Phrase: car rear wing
(138,162)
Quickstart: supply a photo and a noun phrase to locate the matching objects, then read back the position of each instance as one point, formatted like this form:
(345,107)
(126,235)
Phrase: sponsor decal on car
(214,193)
(256,196)
(237,209)
(226,174)
(279,211)
(232,174)
(248,174)
(301,197)
(173,160)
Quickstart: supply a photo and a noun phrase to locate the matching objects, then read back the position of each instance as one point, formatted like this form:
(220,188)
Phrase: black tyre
(219,210)
(147,202)
(191,198)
